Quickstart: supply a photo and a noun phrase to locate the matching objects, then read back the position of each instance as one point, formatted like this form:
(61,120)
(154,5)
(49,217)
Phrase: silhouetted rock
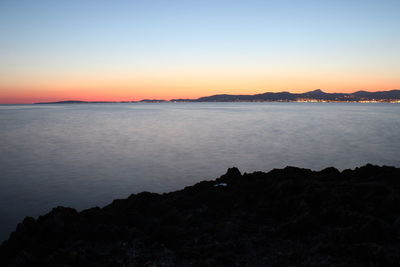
(287,217)
(231,173)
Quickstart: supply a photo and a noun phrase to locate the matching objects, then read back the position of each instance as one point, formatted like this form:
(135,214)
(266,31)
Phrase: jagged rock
(287,217)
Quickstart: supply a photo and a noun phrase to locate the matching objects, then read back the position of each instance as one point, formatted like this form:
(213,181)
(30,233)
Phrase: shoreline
(289,216)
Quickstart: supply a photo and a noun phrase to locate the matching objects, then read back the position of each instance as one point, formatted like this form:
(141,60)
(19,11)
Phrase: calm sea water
(88,154)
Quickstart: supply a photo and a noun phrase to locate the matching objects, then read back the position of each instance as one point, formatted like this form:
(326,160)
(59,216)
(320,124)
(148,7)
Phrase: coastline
(289,216)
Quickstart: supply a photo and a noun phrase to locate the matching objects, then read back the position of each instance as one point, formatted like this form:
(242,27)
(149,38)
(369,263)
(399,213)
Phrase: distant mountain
(317,95)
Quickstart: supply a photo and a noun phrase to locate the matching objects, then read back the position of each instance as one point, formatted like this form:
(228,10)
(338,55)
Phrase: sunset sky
(118,50)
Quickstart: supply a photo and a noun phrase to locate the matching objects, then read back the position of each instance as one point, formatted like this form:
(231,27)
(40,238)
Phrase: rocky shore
(286,217)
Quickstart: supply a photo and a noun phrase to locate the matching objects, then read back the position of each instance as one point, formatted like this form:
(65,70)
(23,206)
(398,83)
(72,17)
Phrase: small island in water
(286,217)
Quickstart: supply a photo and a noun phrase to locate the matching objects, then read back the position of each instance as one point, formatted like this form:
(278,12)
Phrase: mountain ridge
(317,95)
(285,96)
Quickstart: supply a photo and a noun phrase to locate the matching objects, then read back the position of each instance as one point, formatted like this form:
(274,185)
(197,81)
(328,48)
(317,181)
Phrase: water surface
(83,155)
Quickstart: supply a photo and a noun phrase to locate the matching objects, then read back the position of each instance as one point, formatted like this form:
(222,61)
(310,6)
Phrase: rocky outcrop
(287,217)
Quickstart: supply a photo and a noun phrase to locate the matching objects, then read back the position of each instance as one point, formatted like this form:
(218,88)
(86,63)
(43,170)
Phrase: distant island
(153,100)
(80,102)
(392,96)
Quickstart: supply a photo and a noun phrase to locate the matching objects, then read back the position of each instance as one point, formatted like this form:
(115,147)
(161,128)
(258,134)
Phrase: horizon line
(182,98)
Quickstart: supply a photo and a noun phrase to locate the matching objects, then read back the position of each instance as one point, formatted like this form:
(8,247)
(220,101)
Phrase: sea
(86,155)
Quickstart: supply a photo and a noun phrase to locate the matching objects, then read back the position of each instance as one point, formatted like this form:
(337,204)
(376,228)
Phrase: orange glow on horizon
(185,86)
(117,95)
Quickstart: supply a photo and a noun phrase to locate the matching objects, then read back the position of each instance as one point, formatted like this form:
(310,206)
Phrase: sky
(117,50)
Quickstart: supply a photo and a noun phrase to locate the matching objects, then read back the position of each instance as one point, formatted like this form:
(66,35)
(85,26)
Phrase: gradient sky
(129,50)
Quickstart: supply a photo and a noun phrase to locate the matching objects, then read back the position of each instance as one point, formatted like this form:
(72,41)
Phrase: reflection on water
(84,155)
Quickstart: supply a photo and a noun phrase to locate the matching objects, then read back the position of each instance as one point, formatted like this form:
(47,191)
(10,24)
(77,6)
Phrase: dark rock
(232,173)
(287,217)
